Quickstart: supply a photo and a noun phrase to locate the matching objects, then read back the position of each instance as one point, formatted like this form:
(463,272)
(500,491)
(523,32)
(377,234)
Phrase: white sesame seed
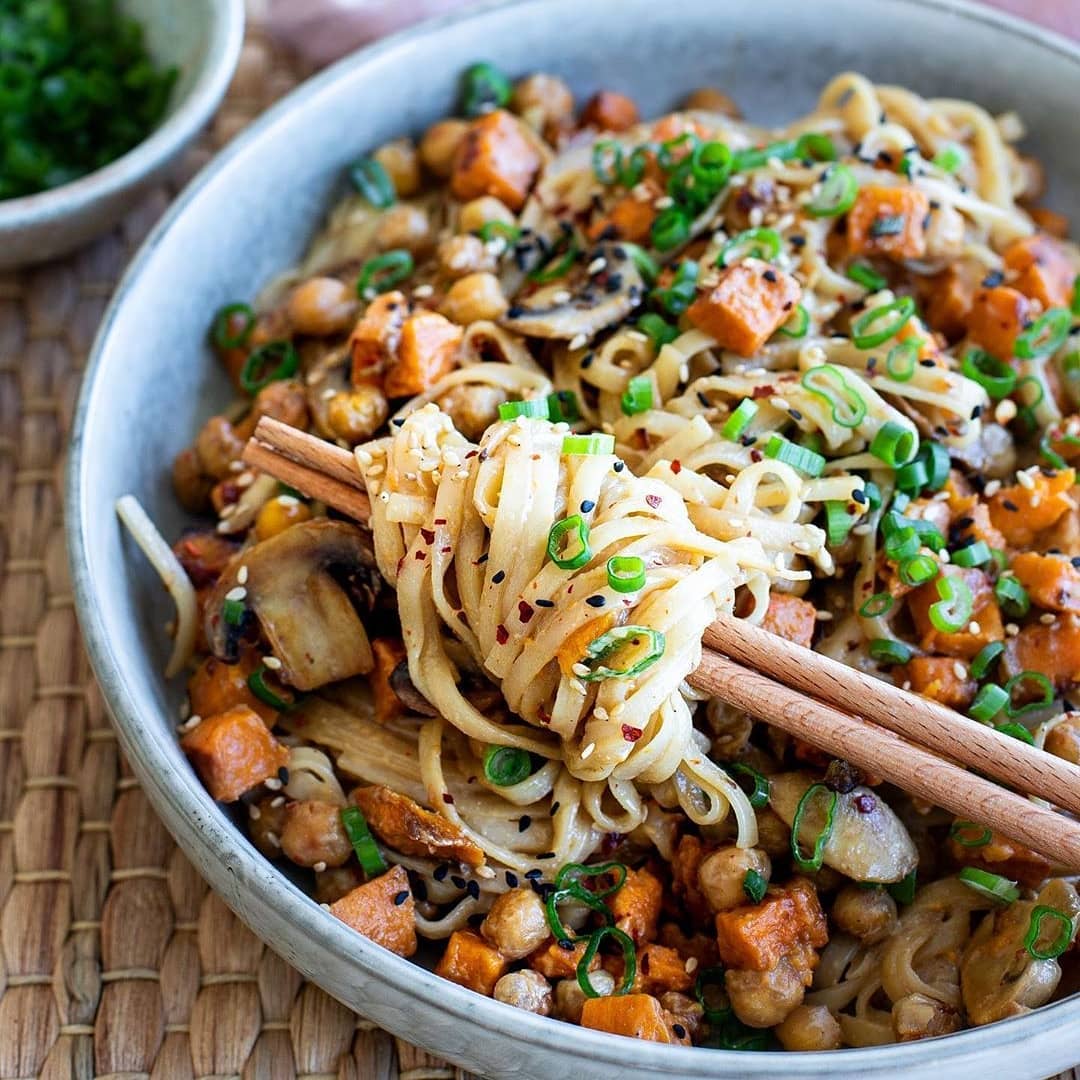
(328,393)
(1024,479)
(577,686)
(959,670)
(974,627)
(600,712)
(363,457)
(315,377)
(319,867)
(274,784)
(587,752)
(691,965)
(236,466)
(578,341)
(245,479)
(579,669)
(254,813)
(1011,629)
(824,616)
(272,662)
(422,292)
(242,575)
(596,265)
(992,488)
(1047,618)
(184,710)
(1005,411)
(288,500)
(779,403)
(191,723)
(227,511)
(561,297)
(664,202)
(236,594)
(277,802)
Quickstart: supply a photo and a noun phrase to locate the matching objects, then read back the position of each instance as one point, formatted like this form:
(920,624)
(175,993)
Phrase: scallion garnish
(918,570)
(561,257)
(894,444)
(986,656)
(679,295)
(817,855)
(1045,335)
(1066,927)
(1024,681)
(760,243)
(759,793)
(499,230)
(1017,731)
(886,651)
(563,407)
(535,408)
(657,329)
(903,891)
(992,886)
(373,182)
(505,766)
(901,544)
(710,164)
(968,834)
(754,885)
(989,701)
(222,333)
(626,573)
(642,642)
(645,263)
(952,612)
(233,612)
(903,358)
(597,443)
(912,477)
(607,161)
(739,420)
(829,383)
(976,554)
(992,374)
(383,272)
(638,395)
(798,325)
(866,276)
(936,459)
(568,543)
(1012,596)
(626,943)
(670,229)
(838,522)
(268,363)
(367,852)
(798,457)
(888,319)
(256,682)
(879,604)
(950,158)
(483,88)
(837,193)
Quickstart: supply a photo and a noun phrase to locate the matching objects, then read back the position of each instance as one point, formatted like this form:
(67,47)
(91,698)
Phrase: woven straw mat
(115,958)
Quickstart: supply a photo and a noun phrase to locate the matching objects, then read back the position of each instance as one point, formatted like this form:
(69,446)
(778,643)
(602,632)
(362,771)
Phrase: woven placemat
(115,958)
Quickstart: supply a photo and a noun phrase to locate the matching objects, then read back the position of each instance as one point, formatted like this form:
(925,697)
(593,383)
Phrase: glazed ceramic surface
(200,37)
(152,382)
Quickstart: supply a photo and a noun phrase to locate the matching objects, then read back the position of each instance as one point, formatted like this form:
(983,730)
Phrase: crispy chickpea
(868,914)
(191,484)
(709,99)
(439,145)
(516,923)
(764,998)
(685,1010)
(1063,740)
(543,100)
(266,819)
(774,837)
(332,884)
(527,990)
(404,226)
(402,165)
(809,1027)
(283,399)
(314,835)
(722,872)
(570,998)
(476,213)
(217,446)
(474,297)
(276,515)
(463,255)
(472,408)
(355,415)
(321,306)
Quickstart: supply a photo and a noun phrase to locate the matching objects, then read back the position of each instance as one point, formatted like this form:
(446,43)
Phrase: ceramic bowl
(202,38)
(151,382)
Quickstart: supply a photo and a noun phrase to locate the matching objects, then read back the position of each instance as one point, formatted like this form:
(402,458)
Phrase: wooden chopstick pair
(913,742)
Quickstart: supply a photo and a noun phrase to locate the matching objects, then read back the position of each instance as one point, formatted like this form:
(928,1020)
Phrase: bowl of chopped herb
(97,99)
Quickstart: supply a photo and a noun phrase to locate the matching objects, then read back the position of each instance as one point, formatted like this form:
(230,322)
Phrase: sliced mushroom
(868,841)
(296,585)
(584,303)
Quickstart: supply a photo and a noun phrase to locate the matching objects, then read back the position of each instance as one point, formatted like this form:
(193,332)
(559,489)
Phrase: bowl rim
(189,814)
(215,70)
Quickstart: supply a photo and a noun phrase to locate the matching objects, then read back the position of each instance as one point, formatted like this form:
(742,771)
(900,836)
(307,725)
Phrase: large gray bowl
(151,382)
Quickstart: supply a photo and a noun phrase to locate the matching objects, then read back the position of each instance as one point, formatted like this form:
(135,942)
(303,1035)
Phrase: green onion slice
(626,573)
(976,554)
(562,256)
(645,263)
(992,886)
(760,243)
(903,359)
(759,793)
(1012,596)
(670,229)
(740,419)
(367,852)
(890,652)
(563,407)
(659,331)
(483,88)
(643,646)
(1044,685)
(754,885)
(505,766)
(798,325)
(952,612)
(373,182)
(866,276)
(837,194)
(838,522)
(665,154)
(829,383)
(950,158)
(257,685)
(221,333)
(1066,927)
(936,459)
(879,604)
(597,443)
(607,161)
(992,374)
(573,874)
(1017,731)
(903,891)
(968,834)
(710,164)
(233,611)
(918,570)
(799,457)
(499,230)
(874,327)
(989,701)
(626,943)
(568,543)
(535,408)
(1045,335)
(894,444)
(383,272)
(268,363)
(986,656)
(709,978)
(912,477)
(902,544)
(638,395)
(680,294)
(814,860)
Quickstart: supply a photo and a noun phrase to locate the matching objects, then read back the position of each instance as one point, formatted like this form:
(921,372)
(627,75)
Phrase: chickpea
(476,213)
(774,837)
(721,875)
(764,998)
(1063,740)
(355,415)
(809,1027)
(217,446)
(402,165)
(439,145)
(527,990)
(570,998)
(314,836)
(474,297)
(472,408)
(276,515)
(709,99)
(868,914)
(336,882)
(191,485)
(283,400)
(685,1010)
(543,100)
(265,823)
(404,226)
(516,923)
(321,306)
(463,255)
(917,1016)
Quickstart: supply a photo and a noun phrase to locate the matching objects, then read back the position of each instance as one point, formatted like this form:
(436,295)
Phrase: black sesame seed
(457,881)
(555,808)
(586,361)
(515,311)
(587,505)
(401,897)
(680,1031)
(994,278)
(595,601)
(794,414)
(770,276)
(498,577)
(859,496)
(283,775)
(540,602)
(441,872)
(619,466)
(524,822)
(483,559)
(474,889)
(546,855)
(703,399)
(534,875)
(511,879)
(1075,560)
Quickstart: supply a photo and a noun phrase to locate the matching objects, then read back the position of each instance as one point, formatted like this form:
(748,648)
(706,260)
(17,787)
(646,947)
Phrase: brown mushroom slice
(294,586)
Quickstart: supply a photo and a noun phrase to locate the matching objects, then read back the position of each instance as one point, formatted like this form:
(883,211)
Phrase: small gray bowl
(151,382)
(202,38)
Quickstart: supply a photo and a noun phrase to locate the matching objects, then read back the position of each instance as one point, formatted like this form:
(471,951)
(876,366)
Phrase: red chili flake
(448,798)
(525,611)
(864,803)
(428,535)
(631,734)
(502,635)
(676,466)
(400,563)
(421,555)
(653,500)
(763,391)
(446,550)
(471,453)
(543,715)
(756,455)
(440,521)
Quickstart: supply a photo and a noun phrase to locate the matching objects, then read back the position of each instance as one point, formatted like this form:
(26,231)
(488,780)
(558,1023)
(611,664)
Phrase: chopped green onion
(992,374)
(1046,450)
(1074,306)
(902,544)
(918,570)
(505,766)
(367,852)
(383,272)
(813,146)
(760,243)
(895,316)
(563,407)
(985,657)
(221,333)
(680,294)
(817,856)
(936,459)
(968,834)
(659,331)
(1017,731)
(903,891)
(799,457)
(886,651)
(903,358)
(638,395)
(837,194)
(665,154)
(894,444)
(576,530)
(607,161)
(670,229)
(1045,335)
(754,885)
(798,325)
(829,383)
(633,168)
(992,886)
(257,371)
(707,979)
(626,943)
(573,891)
(499,230)
(989,701)
(912,477)
(879,604)
(1012,596)
(597,443)
(952,612)
(976,554)
(536,408)
(812,440)
(1039,914)
(950,158)
(256,682)
(645,263)
(759,795)
(1041,681)
(838,522)
(873,495)
(483,88)
(233,612)
(626,573)
(643,640)
(373,182)
(561,257)
(710,164)
(866,276)
(740,419)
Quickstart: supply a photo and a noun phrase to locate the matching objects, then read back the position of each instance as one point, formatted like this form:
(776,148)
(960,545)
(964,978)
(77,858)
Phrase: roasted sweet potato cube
(555,962)
(937,677)
(660,969)
(1054,650)
(609,111)
(1052,581)
(998,316)
(640,1016)
(374,341)
(963,643)
(1050,221)
(791,618)
(215,687)
(233,751)
(1063,739)
(636,906)
(495,157)
(757,936)
(382,910)
(1043,271)
(388,653)
(1019,512)
(427,352)
(470,961)
(949,298)
(748,304)
(630,219)
(888,221)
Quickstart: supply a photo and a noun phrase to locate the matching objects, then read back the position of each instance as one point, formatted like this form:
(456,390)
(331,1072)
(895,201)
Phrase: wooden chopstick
(927,762)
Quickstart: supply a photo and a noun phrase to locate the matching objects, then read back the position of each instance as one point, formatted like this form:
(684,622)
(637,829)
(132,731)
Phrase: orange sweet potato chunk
(470,961)
(748,304)
(640,1016)
(984,612)
(1054,650)
(630,218)
(888,221)
(427,352)
(233,751)
(1020,512)
(609,111)
(949,299)
(374,340)
(636,906)
(1043,270)
(1052,581)
(998,316)
(935,677)
(388,653)
(379,911)
(1000,855)
(215,687)
(495,157)
(757,936)
(1050,221)
(660,969)
(791,618)
(555,962)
